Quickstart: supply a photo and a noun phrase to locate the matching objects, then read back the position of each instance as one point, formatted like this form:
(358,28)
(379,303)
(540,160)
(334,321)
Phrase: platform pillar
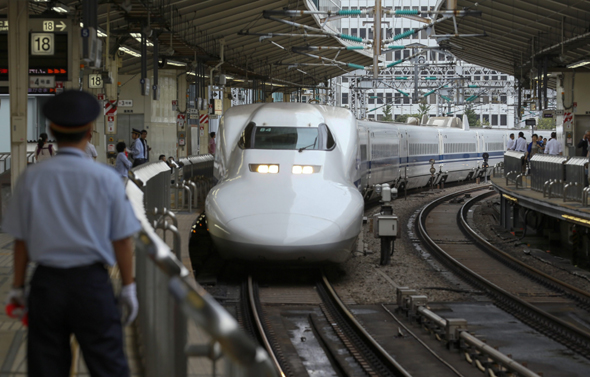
(503,210)
(18,84)
(515,211)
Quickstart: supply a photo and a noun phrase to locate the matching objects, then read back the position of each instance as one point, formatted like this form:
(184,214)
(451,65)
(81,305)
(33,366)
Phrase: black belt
(73,269)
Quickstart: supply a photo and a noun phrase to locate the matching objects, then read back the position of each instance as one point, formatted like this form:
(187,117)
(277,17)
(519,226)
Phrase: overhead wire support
(351,65)
(311,28)
(270,35)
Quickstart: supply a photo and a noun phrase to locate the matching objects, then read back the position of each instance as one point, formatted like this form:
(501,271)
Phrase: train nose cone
(284,230)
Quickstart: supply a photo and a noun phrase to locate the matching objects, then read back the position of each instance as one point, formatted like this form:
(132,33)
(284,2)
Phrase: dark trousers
(139,161)
(77,301)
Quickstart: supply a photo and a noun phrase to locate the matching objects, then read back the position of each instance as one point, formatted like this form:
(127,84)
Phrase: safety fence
(168,296)
(554,176)
(513,166)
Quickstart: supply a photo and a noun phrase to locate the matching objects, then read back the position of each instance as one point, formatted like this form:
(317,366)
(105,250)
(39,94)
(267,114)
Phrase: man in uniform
(137,149)
(584,144)
(71,217)
(146,147)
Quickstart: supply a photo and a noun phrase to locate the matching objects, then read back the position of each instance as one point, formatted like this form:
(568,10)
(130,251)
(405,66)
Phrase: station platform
(13,335)
(570,211)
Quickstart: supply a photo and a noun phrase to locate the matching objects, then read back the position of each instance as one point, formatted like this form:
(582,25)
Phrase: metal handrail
(163,278)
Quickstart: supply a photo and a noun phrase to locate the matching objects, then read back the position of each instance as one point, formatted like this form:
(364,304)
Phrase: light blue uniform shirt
(68,209)
(122,164)
(137,149)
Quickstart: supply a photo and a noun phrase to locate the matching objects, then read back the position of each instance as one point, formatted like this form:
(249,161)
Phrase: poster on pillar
(111,125)
(174,105)
(180,120)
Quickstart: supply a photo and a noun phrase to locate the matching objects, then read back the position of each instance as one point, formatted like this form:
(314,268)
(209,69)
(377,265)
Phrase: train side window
(245,141)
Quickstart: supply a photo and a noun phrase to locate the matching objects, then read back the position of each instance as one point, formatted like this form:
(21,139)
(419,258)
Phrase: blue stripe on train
(425,160)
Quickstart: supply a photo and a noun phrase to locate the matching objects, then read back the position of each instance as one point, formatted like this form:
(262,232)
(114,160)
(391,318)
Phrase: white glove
(17,297)
(128,300)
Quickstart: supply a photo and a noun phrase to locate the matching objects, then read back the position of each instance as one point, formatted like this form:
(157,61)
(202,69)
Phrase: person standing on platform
(122,164)
(554,147)
(212,143)
(584,143)
(137,151)
(520,143)
(91,226)
(146,147)
(533,147)
(90,150)
(43,150)
(511,143)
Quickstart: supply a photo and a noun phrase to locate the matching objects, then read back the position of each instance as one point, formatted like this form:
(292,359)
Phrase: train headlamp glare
(264,168)
(305,169)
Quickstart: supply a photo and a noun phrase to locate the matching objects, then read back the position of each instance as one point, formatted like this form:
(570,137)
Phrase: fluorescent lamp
(137,37)
(579,63)
(130,51)
(178,64)
(60,9)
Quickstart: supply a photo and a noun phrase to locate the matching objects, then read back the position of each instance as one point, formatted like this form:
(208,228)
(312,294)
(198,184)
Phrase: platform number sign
(95,81)
(42,44)
(48,26)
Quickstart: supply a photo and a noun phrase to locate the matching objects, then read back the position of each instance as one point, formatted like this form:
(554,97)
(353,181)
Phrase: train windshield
(290,138)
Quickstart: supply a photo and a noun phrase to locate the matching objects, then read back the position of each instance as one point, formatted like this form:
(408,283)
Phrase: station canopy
(522,36)
(193,31)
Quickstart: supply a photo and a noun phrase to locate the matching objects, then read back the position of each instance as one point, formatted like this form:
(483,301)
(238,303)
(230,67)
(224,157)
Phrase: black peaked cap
(72,109)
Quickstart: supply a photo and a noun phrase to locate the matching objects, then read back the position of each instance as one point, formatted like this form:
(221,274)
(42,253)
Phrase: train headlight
(264,168)
(305,169)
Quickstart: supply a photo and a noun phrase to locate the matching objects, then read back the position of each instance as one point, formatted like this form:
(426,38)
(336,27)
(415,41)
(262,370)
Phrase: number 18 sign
(42,44)
(95,81)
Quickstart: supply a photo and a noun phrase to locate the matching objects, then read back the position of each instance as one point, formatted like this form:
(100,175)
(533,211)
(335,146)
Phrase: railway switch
(402,294)
(415,303)
(454,327)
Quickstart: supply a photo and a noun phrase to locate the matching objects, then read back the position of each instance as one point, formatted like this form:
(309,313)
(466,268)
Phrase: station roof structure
(521,35)
(190,31)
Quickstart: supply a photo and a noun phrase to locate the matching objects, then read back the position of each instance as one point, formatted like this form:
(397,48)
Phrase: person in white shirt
(511,143)
(520,143)
(91,150)
(554,147)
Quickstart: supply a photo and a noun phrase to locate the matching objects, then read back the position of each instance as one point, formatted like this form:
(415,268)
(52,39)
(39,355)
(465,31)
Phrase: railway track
(548,305)
(370,357)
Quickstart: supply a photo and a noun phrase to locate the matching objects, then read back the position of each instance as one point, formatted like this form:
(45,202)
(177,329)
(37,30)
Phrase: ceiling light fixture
(130,51)
(579,63)
(178,64)
(137,37)
(60,9)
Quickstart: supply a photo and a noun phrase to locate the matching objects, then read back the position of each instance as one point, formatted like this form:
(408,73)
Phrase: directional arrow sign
(61,26)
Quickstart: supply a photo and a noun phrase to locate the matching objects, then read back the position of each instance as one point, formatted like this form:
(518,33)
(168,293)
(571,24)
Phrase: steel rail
(387,361)
(561,331)
(261,331)
(575,293)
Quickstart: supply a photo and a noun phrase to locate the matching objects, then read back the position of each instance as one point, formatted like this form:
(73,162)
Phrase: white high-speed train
(293,177)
